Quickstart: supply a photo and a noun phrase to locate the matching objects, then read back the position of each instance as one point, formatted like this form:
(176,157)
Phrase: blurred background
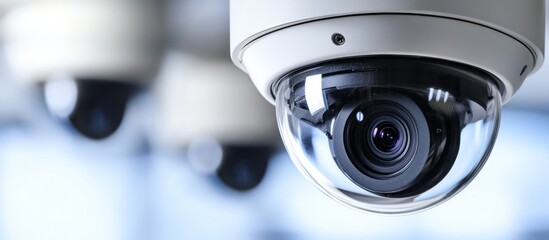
(125,119)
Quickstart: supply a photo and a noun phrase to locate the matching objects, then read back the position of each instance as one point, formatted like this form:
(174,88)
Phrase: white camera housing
(90,55)
(431,66)
(106,39)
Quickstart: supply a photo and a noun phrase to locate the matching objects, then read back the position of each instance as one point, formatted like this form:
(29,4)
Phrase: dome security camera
(388,106)
(89,56)
(219,143)
(199,80)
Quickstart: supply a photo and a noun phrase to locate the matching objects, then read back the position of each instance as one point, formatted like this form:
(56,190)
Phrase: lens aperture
(386,137)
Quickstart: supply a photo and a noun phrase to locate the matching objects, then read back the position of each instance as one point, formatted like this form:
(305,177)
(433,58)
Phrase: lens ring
(351,133)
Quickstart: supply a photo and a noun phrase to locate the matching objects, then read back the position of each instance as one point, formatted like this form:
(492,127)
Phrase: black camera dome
(403,133)
(244,166)
(97,106)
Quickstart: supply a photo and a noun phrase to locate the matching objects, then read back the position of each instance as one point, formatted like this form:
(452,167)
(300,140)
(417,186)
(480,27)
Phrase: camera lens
(378,142)
(382,143)
(386,138)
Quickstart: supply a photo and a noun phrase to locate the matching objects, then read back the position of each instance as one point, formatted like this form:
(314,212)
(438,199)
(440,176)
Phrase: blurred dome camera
(204,96)
(89,56)
(388,106)
(219,143)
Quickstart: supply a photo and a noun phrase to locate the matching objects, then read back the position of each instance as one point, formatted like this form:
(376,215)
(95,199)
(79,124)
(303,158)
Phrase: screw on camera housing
(338,39)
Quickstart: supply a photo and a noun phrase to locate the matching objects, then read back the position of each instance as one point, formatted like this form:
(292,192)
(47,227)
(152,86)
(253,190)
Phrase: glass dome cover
(389,134)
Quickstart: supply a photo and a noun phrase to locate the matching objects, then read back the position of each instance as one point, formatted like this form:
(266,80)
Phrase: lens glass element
(386,137)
